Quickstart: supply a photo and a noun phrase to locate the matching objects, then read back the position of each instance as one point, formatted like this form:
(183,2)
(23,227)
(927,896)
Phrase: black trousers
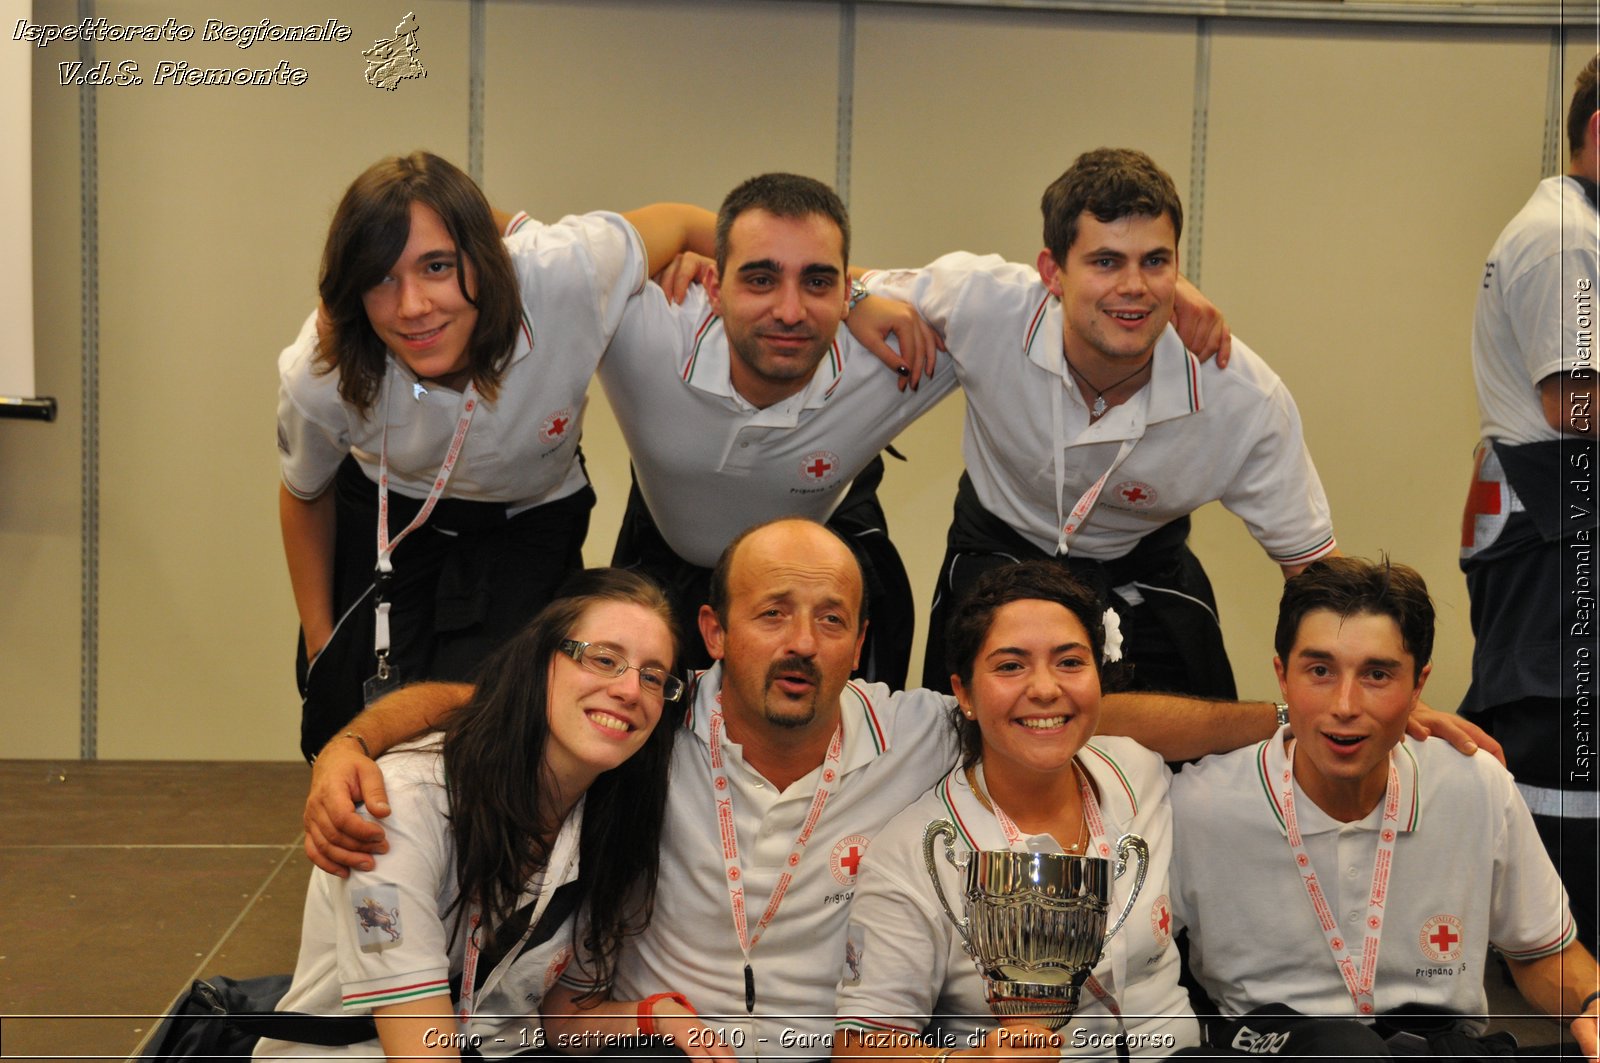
(463,583)
(1172,642)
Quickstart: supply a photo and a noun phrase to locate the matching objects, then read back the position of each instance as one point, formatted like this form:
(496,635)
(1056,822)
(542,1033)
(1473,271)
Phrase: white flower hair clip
(1113,645)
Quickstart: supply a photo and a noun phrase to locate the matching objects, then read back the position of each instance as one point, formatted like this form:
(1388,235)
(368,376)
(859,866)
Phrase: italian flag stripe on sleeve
(373,998)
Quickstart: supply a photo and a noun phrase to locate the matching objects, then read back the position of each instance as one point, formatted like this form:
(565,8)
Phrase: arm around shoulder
(1185,728)
(345,775)
(668,229)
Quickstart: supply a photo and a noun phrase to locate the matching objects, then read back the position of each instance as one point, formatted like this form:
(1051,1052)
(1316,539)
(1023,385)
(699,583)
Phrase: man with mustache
(783,773)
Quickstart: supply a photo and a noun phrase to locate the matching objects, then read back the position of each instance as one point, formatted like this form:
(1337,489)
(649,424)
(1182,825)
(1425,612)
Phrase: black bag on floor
(221,1019)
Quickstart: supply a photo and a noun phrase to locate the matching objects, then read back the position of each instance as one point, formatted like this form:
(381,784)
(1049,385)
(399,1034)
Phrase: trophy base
(1049,1005)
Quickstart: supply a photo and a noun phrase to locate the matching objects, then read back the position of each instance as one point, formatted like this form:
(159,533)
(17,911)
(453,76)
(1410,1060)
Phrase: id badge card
(386,680)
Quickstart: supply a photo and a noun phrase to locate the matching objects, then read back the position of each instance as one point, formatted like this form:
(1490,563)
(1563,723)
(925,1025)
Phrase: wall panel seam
(89,327)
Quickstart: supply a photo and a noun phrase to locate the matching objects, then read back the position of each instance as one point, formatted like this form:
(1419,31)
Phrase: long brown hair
(501,812)
(367,235)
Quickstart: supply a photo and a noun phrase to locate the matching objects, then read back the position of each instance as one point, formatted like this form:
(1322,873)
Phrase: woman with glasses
(545,791)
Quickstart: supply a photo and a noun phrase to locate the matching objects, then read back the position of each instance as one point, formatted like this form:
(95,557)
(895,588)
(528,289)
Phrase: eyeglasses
(602,660)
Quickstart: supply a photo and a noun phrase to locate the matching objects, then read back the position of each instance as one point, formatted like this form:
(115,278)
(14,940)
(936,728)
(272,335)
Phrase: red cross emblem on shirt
(555,426)
(845,860)
(819,466)
(1441,938)
(1136,494)
(1161,921)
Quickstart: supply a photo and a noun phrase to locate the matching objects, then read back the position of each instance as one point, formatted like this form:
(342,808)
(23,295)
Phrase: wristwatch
(858,292)
(1283,712)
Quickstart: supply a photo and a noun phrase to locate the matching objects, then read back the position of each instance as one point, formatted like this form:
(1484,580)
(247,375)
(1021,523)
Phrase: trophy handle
(1126,844)
(946,829)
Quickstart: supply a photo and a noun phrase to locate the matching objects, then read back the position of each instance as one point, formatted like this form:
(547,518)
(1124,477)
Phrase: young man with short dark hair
(1342,884)
(1092,432)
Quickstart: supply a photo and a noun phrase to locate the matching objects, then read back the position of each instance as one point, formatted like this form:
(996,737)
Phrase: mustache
(801,666)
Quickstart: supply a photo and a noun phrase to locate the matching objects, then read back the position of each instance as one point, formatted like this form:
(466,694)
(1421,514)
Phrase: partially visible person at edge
(1525,549)
(544,793)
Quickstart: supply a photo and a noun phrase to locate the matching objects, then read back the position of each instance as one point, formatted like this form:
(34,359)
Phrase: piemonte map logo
(391,61)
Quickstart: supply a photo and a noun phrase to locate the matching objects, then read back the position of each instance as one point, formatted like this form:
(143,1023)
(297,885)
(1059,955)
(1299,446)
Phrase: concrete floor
(120,883)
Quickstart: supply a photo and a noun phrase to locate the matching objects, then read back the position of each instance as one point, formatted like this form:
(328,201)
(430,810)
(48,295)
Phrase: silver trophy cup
(1035,923)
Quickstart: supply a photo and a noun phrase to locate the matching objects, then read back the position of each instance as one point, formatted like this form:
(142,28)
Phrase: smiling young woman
(1025,649)
(547,790)
(433,497)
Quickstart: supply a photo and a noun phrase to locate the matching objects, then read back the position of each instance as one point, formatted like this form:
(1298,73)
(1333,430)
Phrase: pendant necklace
(1099,406)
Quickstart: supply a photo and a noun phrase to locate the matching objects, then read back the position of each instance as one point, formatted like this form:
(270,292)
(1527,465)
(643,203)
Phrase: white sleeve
(1276,490)
(1528,913)
(1544,315)
(587,260)
(393,944)
(898,942)
(938,289)
(313,429)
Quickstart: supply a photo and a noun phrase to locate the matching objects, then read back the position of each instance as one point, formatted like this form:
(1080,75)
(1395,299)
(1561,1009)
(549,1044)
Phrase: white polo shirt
(1468,871)
(1202,433)
(402,949)
(896,745)
(710,464)
(908,969)
(1536,310)
(576,277)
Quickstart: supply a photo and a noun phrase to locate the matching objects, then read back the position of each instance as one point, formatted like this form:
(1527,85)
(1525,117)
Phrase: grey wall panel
(40,466)
(1356,180)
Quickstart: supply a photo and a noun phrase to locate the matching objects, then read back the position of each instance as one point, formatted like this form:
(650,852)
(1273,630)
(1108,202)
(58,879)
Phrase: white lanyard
(1091,814)
(564,856)
(1069,524)
(386,546)
(1357,980)
(722,794)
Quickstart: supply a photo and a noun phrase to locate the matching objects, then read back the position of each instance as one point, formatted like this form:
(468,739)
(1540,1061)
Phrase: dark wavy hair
(1110,183)
(974,615)
(370,229)
(1355,586)
(501,812)
(1585,102)
(783,195)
